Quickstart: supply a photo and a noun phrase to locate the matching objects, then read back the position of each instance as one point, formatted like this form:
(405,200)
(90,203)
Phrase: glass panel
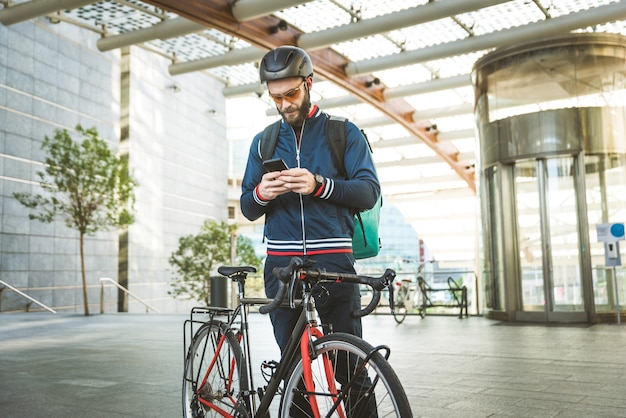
(605,178)
(494,279)
(529,233)
(577,70)
(567,295)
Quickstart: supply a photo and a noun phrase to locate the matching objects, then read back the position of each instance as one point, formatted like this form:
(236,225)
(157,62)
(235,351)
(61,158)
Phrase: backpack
(365,239)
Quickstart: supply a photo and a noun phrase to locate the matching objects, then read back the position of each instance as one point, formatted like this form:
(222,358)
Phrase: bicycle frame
(297,339)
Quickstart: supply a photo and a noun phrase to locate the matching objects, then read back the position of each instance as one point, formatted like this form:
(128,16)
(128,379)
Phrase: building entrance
(550,280)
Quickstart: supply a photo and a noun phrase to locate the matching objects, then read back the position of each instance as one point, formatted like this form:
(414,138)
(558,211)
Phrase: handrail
(104,280)
(27,297)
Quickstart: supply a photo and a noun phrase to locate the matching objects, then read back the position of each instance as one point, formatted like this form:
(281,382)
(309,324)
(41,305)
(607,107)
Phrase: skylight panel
(430,33)
(315,16)
(373,8)
(117,17)
(502,16)
(564,7)
(367,48)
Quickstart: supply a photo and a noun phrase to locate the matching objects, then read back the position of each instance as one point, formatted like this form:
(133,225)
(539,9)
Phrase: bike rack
(31,300)
(452,289)
(199,316)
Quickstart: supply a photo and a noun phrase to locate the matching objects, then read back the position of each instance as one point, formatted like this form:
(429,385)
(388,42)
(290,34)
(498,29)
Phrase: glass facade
(551,117)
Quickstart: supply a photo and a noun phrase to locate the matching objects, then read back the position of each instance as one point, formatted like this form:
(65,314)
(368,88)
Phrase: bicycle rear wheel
(366,385)
(215,375)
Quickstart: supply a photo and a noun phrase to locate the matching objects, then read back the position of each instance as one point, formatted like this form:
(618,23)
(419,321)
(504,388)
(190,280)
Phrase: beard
(297,120)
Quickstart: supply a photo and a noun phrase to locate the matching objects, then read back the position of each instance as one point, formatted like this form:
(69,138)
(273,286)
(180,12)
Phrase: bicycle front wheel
(399,311)
(350,379)
(215,375)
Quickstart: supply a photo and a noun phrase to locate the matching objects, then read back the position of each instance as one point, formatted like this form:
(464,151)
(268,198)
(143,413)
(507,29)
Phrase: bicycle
(332,375)
(408,296)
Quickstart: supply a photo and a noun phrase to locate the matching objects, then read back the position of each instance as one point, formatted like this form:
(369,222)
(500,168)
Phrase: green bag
(365,240)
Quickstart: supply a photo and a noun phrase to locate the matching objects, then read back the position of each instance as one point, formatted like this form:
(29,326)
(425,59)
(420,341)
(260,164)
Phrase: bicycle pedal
(271,365)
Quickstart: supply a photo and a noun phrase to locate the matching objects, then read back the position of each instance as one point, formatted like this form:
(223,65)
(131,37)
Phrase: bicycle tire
(390,400)
(226,380)
(399,306)
(399,312)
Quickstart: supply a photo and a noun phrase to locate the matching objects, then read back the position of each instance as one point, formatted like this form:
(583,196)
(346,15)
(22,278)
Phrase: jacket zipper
(304,249)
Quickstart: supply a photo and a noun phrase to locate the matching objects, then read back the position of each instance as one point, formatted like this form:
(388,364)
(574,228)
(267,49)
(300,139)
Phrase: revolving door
(552,124)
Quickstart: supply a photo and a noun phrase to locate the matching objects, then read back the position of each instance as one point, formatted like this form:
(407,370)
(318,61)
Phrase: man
(307,207)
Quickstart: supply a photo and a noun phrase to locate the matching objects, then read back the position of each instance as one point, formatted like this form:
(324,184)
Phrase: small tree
(198,257)
(85,184)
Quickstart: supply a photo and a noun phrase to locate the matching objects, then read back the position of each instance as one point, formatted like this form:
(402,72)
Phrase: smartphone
(275,164)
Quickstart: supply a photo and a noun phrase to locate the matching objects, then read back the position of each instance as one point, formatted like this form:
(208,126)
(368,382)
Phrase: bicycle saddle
(230,270)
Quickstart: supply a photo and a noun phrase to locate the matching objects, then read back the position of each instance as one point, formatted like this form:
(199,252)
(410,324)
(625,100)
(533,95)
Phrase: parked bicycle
(332,375)
(408,296)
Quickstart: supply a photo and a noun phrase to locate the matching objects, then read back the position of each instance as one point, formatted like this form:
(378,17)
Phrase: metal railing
(31,300)
(105,280)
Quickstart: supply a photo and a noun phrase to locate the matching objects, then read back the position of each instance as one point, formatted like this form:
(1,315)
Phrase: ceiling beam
(437,84)
(327,62)
(392,21)
(395,142)
(456,194)
(244,10)
(410,140)
(443,112)
(428,86)
(419,190)
(234,57)
(169,28)
(456,134)
(421,115)
(448,178)
(412,162)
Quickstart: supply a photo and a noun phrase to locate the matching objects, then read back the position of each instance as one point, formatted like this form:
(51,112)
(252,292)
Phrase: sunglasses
(289,94)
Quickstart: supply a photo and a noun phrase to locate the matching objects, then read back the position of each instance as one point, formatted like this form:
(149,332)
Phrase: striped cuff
(258,198)
(326,189)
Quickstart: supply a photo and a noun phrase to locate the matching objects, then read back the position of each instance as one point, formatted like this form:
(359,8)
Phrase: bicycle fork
(307,353)
(306,348)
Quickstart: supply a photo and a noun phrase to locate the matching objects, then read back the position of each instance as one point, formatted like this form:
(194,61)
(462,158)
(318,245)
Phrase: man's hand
(297,180)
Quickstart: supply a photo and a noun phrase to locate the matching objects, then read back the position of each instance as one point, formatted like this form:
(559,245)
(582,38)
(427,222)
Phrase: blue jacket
(298,225)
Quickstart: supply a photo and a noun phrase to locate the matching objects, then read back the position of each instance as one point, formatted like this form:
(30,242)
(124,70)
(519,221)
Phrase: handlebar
(299,269)
(284,275)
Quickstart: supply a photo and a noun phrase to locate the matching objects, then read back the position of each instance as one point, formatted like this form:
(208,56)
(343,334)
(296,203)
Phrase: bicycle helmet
(285,62)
